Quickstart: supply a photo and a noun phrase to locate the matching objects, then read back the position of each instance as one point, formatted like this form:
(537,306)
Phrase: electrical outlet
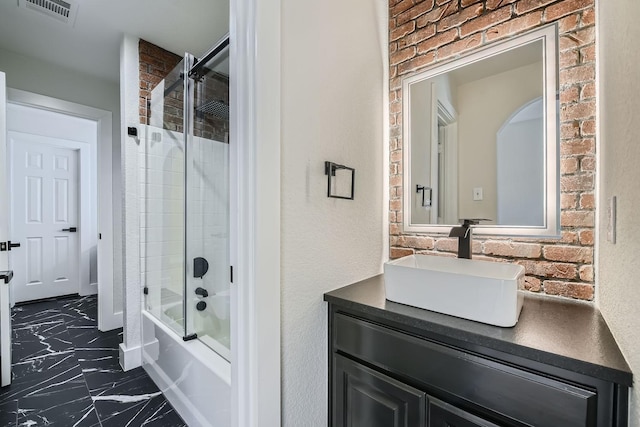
(477,193)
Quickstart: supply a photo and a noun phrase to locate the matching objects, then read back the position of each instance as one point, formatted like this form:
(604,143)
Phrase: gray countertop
(563,333)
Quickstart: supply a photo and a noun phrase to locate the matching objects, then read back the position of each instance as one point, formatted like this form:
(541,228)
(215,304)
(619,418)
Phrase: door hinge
(145,290)
(99,236)
(231,273)
(190,337)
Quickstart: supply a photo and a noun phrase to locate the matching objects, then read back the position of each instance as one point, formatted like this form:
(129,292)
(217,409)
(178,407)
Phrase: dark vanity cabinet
(370,398)
(394,365)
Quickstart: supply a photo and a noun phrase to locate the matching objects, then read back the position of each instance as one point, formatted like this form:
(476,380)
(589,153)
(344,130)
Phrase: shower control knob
(202,292)
(200,306)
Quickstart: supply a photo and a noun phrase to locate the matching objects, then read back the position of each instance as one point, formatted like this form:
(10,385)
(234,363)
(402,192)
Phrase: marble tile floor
(66,373)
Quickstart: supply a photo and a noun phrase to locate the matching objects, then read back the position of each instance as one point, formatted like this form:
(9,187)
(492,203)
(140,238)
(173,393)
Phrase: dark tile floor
(66,373)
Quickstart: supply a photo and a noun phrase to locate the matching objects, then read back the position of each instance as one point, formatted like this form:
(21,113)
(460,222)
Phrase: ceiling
(92,44)
(520,56)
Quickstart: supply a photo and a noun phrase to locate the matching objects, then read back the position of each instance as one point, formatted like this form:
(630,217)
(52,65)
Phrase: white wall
(478,124)
(619,66)
(130,349)
(332,109)
(36,76)
(5,310)
(4,214)
(520,168)
(255,147)
(421,136)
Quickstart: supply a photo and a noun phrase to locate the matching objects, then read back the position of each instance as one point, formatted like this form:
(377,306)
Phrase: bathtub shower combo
(184,250)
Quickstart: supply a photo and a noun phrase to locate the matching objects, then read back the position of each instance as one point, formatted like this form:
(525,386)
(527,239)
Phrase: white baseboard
(175,396)
(107,322)
(130,358)
(151,351)
(90,289)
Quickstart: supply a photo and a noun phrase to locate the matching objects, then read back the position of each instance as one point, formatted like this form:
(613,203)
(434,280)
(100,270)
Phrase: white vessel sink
(483,291)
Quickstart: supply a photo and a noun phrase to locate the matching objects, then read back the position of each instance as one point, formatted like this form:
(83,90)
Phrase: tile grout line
(84,377)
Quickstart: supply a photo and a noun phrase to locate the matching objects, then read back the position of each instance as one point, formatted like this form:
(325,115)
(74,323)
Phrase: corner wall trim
(130,358)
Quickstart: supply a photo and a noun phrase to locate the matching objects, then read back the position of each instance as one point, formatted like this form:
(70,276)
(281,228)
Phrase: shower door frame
(187,132)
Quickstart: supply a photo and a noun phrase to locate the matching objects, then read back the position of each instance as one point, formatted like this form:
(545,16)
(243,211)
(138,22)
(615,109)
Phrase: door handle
(6,276)
(70,229)
(13,245)
(426,198)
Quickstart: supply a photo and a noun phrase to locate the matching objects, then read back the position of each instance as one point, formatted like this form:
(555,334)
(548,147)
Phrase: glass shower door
(207,202)
(162,201)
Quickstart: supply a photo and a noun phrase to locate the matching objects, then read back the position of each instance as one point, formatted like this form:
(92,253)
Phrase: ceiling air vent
(61,10)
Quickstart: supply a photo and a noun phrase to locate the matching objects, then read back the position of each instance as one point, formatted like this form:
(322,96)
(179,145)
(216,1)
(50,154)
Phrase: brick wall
(156,64)
(425,32)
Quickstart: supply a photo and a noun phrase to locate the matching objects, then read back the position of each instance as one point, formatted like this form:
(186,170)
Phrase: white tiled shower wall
(208,237)
(161,213)
(162,223)
(208,212)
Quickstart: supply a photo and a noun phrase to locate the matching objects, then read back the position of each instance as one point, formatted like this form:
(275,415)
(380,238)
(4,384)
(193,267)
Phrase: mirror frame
(551,228)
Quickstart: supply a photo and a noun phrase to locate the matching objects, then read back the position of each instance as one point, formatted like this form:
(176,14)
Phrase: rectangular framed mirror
(481,138)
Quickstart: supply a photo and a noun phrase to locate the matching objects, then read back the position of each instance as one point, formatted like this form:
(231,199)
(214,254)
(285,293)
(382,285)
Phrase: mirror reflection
(482,141)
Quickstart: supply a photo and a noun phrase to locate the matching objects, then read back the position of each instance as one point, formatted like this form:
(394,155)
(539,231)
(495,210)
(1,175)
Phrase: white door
(5,308)
(44,219)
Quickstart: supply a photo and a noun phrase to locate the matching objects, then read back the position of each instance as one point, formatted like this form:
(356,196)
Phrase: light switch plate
(477,193)
(611,220)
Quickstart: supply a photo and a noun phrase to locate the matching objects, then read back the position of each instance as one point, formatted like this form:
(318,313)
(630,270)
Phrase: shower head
(215,108)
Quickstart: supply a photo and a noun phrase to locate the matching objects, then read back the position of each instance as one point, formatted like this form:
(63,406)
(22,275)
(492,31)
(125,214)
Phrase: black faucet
(463,233)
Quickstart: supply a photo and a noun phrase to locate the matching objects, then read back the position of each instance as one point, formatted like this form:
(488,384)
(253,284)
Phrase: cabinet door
(441,414)
(514,393)
(364,397)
